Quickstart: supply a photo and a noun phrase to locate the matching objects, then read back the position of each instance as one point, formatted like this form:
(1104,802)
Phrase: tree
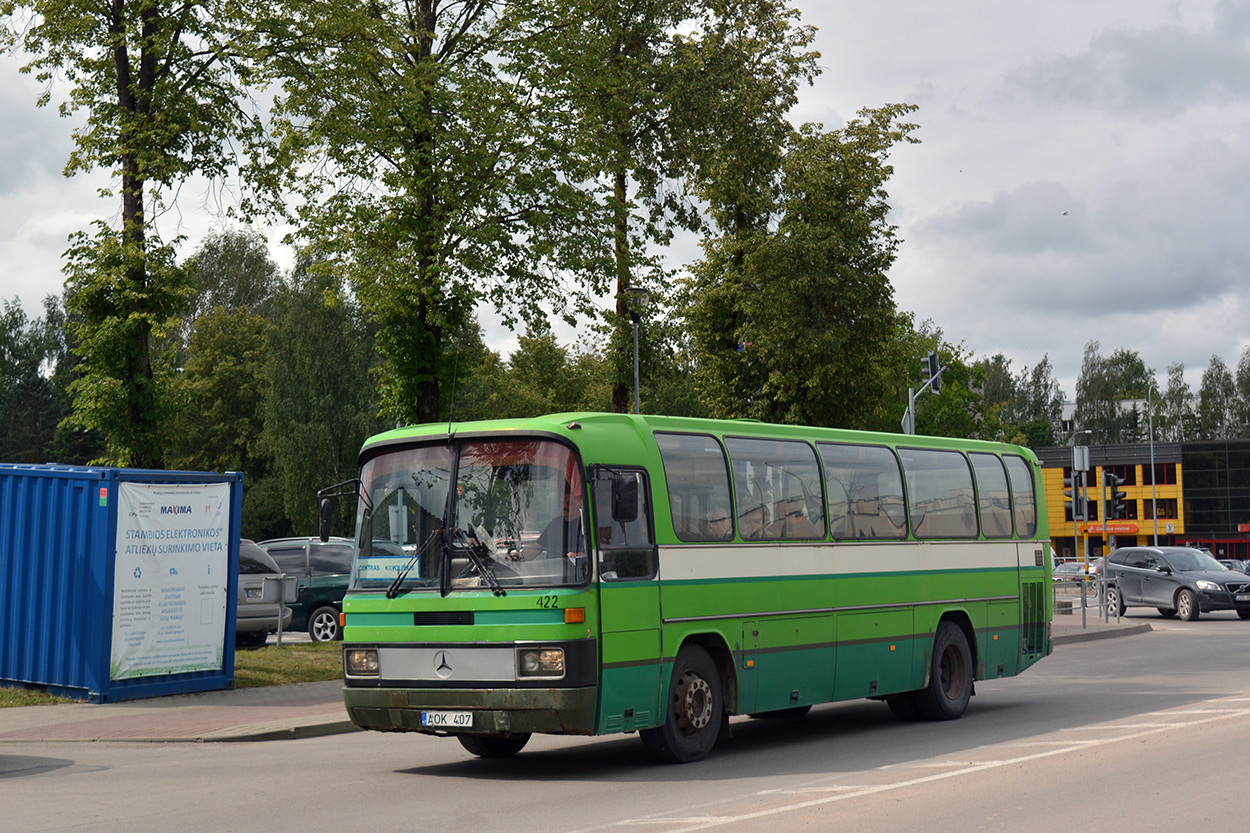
(1105,390)
(1217,403)
(161,85)
(427,171)
(795,322)
(216,412)
(1037,410)
(231,269)
(660,94)
(1242,415)
(1175,407)
(29,409)
(319,404)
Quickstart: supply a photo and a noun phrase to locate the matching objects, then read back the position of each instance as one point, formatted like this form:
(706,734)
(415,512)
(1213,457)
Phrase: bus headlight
(360,662)
(541,662)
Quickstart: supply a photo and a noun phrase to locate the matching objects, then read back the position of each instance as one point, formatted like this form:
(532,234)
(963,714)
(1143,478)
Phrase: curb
(1101,632)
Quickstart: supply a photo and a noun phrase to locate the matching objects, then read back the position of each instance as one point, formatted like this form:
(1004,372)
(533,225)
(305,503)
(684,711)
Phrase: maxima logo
(175,510)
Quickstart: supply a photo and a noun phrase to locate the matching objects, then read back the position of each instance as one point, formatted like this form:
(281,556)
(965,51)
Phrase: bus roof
(609,437)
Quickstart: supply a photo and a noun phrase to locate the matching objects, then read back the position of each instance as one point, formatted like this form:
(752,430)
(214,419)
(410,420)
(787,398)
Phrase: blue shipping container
(117,584)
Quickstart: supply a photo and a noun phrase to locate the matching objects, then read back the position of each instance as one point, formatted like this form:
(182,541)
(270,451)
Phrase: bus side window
(865,488)
(626,548)
(698,485)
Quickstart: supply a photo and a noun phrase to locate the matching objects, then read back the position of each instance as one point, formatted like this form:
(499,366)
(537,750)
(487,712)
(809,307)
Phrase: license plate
(435,720)
(1242,597)
(253,592)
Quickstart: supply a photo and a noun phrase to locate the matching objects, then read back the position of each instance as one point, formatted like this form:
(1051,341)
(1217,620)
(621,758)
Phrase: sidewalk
(267,713)
(283,712)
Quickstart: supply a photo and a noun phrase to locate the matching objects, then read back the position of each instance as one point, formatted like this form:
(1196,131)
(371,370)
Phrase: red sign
(1112,528)
(1243,527)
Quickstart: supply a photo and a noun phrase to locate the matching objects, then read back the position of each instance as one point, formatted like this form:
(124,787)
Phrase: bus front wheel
(950,675)
(695,710)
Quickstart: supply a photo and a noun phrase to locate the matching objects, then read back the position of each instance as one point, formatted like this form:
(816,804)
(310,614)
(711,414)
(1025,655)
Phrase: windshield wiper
(470,545)
(393,590)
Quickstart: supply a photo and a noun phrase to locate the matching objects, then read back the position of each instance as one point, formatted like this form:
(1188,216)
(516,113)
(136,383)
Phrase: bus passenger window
(865,489)
(777,485)
(698,484)
(993,497)
(940,495)
(1022,495)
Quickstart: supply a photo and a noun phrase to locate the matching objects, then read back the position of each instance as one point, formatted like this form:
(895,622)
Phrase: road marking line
(844,793)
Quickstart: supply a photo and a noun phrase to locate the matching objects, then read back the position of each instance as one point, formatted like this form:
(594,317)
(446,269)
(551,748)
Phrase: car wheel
(1242,613)
(250,639)
(1115,603)
(1170,613)
(323,625)
(494,746)
(695,712)
(1187,605)
(950,675)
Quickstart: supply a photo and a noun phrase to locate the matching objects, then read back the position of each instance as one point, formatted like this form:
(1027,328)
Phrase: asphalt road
(1145,732)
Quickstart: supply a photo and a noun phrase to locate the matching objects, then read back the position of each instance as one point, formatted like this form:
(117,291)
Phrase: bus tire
(494,746)
(903,706)
(950,676)
(695,712)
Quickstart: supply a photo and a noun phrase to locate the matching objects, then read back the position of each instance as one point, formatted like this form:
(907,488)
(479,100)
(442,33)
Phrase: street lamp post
(637,302)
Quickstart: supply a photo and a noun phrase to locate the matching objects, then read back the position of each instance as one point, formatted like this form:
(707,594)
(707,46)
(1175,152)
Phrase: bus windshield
(514,517)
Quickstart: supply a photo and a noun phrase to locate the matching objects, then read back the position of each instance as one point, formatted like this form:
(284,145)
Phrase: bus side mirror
(625,499)
(323,522)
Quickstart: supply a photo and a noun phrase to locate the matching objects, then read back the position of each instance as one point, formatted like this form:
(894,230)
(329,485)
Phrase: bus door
(629,600)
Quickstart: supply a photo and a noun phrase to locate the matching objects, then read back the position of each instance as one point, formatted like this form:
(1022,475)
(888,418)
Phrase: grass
(300,662)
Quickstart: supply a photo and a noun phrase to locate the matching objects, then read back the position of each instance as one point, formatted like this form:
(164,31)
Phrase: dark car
(323,569)
(1178,581)
(255,618)
(1235,564)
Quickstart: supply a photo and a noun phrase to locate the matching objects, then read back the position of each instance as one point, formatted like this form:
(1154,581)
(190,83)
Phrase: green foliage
(797,323)
(1217,403)
(125,297)
(30,404)
(319,400)
(1104,385)
(160,85)
(218,393)
(651,95)
(434,185)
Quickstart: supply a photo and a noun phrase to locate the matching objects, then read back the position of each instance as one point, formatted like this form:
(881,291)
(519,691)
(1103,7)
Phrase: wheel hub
(695,700)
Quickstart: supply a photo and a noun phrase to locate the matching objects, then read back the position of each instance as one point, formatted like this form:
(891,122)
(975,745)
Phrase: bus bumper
(558,711)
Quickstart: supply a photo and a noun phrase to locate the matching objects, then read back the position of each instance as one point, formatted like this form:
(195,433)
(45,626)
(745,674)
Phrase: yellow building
(1154,506)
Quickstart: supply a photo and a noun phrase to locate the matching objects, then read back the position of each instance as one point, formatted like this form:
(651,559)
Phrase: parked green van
(323,569)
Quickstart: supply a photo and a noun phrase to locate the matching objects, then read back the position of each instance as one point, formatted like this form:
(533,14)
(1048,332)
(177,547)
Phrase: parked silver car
(256,618)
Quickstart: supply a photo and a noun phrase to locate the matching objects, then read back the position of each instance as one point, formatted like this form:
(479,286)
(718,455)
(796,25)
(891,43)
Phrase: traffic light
(1115,496)
(1073,502)
(932,369)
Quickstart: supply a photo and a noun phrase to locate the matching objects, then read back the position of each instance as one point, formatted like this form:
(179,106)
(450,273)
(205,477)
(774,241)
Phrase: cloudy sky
(1082,175)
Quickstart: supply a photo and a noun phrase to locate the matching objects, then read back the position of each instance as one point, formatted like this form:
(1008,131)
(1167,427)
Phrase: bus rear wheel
(695,710)
(494,746)
(950,676)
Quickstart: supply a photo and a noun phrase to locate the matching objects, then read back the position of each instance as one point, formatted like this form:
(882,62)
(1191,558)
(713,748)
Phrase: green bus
(596,573)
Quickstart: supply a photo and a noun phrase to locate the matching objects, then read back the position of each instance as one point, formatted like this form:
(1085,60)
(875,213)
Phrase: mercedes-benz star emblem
(441,666)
